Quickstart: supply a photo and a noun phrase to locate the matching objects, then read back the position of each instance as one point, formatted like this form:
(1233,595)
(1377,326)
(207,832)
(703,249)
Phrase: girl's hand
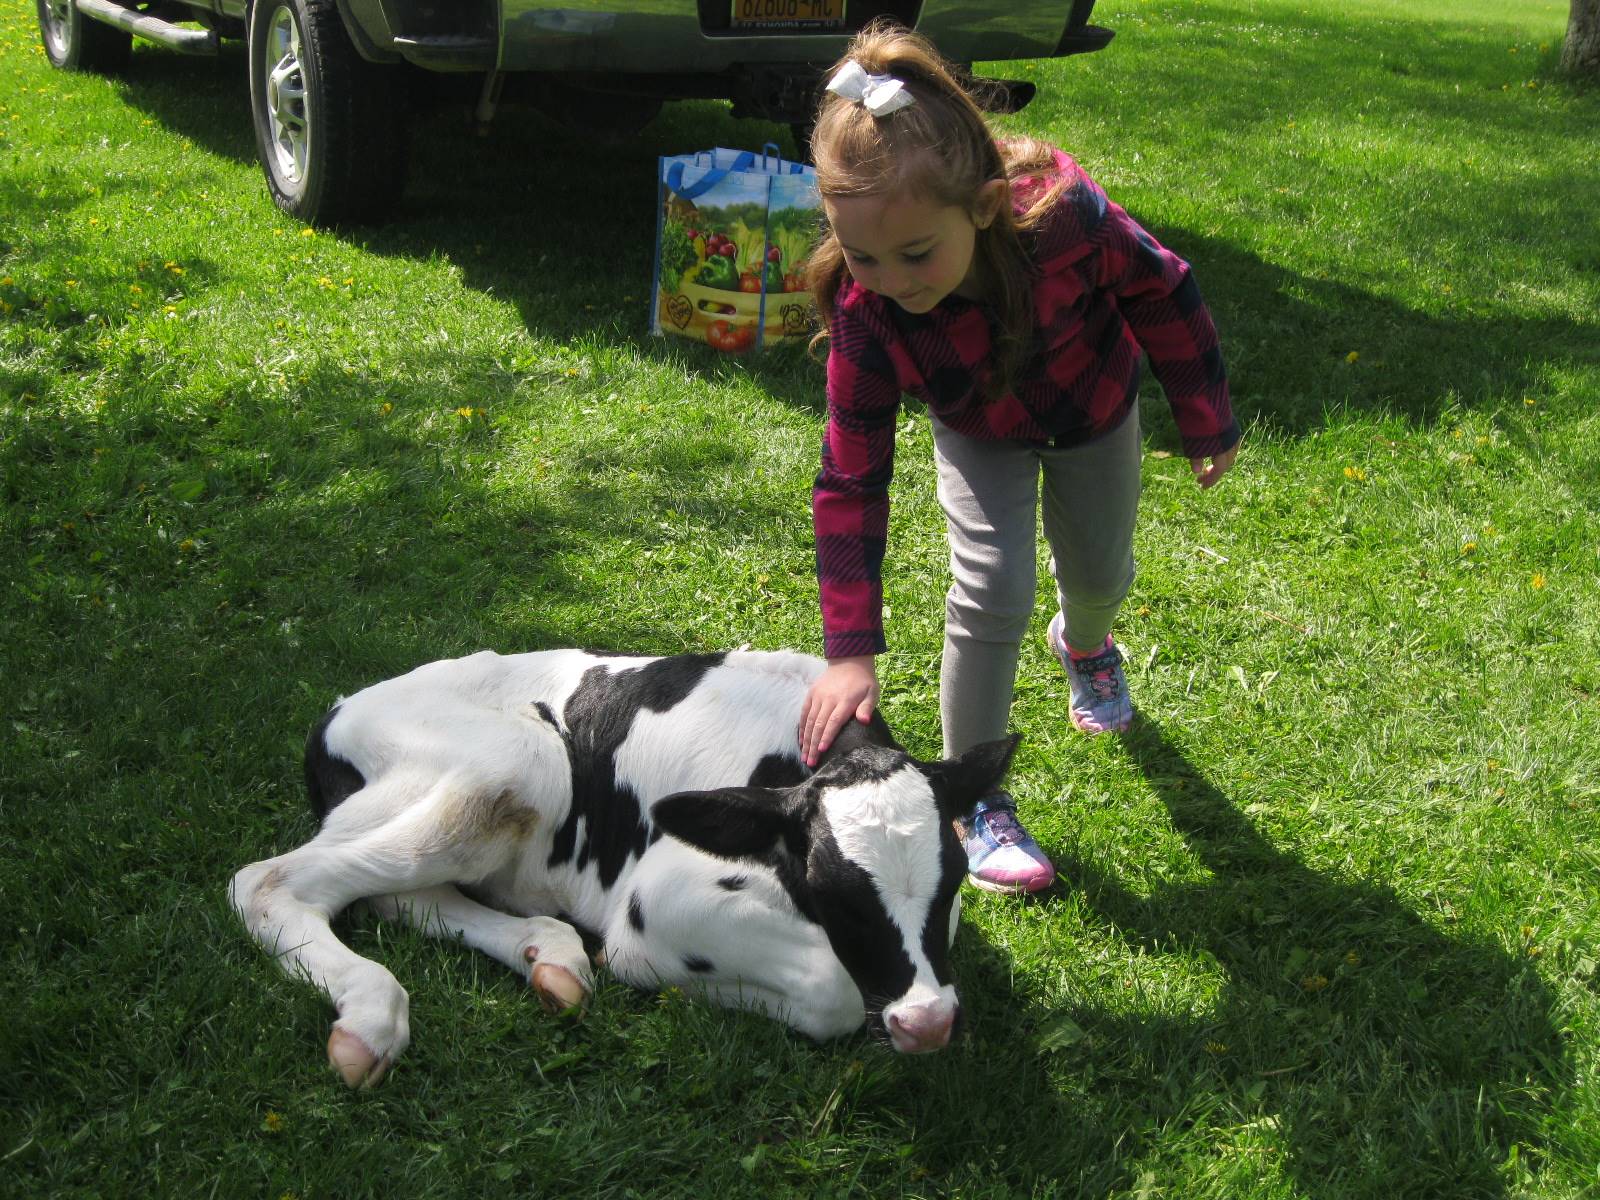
(1205,475)
(848,688)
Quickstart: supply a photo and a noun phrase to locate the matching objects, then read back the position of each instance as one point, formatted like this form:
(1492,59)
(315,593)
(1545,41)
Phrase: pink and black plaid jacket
(1105,291)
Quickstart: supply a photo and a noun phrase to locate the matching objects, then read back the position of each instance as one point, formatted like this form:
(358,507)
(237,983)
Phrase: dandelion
(1537,581)
(466,414)
(386,408)
(136,289)
(1216,1048)
(1493,764)
(173,267)
(1469,547)
(1352,959)
(186,546)
(1352,356)
(272,1123)
(324,282)
(308,232)
(1528,401)
(1355,473)
(1314,983)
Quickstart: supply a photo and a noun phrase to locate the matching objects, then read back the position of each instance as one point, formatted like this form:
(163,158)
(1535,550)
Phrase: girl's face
(912,250)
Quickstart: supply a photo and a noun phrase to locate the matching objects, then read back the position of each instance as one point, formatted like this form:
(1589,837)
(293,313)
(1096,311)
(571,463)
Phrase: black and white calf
(512,800)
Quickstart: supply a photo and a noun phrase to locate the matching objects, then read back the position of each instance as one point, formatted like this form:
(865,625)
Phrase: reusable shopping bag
(732,234)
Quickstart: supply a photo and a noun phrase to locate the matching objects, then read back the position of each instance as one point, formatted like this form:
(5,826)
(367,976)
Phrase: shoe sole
(1009,889)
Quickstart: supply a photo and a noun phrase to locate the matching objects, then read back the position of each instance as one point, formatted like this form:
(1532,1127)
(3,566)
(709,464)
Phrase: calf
(512,800)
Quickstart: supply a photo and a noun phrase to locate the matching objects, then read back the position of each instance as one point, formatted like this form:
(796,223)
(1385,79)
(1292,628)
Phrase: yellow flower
(1314,983)
(1216,1048)
(386,408)
(1537,581)
(136,289)
(1355,473)
(465,413)
(173,267)
(1352,959)
(272,1123)
(308,232)
(1528,400)
(1468,547)
(186,546)
(1352,356)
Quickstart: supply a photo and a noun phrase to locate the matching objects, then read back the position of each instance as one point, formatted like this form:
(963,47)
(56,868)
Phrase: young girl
(995,282)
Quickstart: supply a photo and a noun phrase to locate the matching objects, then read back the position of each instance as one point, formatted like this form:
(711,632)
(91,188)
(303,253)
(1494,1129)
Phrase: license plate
(788,14)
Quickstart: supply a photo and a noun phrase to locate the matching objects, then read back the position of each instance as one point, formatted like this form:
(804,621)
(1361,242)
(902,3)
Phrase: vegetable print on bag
(733,232)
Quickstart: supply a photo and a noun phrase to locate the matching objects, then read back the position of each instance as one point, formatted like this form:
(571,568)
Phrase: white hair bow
(879,94)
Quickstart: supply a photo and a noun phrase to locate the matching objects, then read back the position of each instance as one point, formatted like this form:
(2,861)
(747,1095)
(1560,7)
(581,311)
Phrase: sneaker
(1001,857)
(1100,701)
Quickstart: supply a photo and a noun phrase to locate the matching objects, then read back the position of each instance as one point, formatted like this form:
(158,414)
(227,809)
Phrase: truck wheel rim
(286,100)
(58,27)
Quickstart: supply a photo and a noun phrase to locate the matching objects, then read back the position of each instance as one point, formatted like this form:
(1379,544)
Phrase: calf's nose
(919,1029)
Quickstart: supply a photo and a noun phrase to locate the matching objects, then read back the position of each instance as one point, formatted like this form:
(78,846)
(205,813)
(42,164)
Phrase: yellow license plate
(788,14)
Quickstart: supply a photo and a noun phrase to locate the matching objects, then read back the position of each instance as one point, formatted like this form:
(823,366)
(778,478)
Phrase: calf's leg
(547,950)
(375,844)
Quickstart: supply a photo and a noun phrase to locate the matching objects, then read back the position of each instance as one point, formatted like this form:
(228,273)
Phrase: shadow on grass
(1382,1056)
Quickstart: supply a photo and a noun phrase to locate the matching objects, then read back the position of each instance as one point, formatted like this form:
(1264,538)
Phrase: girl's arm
(1158,297)
(850,512)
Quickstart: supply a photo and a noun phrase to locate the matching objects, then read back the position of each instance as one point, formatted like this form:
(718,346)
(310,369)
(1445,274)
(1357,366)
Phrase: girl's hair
(938,149)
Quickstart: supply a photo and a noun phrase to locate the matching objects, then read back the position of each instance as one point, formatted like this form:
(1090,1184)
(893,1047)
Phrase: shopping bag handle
(710,179)
(716,175)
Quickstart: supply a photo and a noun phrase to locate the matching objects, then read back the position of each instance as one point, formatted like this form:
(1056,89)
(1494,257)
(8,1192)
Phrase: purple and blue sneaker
(1001,857)
(1100,701)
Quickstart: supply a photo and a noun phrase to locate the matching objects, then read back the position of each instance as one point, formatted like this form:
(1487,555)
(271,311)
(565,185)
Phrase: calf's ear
(959,783)
(735,822)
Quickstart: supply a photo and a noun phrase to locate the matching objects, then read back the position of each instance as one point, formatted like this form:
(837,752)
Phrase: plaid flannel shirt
(1105,291)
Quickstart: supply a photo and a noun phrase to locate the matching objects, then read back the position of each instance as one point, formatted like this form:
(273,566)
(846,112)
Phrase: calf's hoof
(559,989)
(355,1061)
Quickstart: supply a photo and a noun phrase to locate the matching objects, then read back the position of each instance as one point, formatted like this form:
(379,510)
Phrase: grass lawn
(1330,924)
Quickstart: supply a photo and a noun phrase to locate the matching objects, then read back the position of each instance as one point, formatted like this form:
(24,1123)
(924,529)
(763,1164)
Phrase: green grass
(1333,921)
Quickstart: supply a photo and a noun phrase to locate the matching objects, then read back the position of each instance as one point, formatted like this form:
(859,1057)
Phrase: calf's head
(865,848)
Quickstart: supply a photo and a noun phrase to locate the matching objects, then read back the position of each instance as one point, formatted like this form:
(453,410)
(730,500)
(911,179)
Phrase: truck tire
(74,42)
(328,122)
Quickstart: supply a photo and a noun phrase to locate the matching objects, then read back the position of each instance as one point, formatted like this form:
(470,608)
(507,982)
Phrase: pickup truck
(329,79)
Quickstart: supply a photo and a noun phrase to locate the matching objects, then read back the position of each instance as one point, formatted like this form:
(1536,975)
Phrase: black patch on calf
(635,913)
(863,937)
(777,770)
(330,780)
(936,933)
(697,965)
(868,763)
(598,716)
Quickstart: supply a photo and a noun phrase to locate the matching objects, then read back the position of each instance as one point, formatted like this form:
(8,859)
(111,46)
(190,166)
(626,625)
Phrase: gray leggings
(990,494)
